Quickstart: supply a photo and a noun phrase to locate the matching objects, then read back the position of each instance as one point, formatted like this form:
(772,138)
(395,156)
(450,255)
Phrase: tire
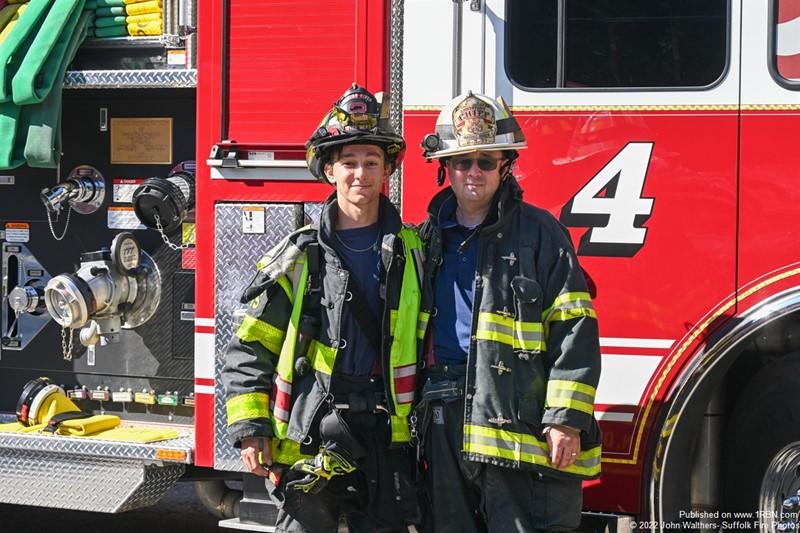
(762,446)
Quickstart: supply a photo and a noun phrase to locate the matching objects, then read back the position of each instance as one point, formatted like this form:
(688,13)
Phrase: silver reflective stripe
(523,448)
(282,388)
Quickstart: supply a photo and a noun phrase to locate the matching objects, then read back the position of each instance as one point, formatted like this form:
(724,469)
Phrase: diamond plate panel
(82,483)
(312,212)
(396,37)
(237,254)
(76,447)
(130,79)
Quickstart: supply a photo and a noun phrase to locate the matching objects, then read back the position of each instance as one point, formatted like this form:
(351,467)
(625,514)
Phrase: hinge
(474,5)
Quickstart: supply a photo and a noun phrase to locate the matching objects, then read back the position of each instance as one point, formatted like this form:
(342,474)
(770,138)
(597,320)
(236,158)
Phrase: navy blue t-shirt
(455,289)
(359,249)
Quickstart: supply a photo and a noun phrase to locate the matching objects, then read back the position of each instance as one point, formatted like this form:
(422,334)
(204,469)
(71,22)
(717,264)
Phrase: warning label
(18,232)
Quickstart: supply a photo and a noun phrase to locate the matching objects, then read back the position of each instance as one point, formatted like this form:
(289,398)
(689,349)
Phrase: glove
(317,471)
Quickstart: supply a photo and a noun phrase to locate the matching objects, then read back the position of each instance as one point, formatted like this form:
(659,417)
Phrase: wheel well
(768,343)
(687,468)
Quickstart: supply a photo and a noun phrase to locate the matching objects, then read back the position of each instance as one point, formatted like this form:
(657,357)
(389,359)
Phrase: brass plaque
(141,141)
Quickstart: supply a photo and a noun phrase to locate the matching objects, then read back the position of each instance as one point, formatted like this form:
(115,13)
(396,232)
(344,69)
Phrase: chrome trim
(735,332)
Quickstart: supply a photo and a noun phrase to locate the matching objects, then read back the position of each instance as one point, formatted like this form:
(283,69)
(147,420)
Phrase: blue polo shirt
(455,288)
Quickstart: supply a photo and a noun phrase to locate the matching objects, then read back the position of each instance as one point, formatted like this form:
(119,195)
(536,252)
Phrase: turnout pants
(472,497)
(378,497)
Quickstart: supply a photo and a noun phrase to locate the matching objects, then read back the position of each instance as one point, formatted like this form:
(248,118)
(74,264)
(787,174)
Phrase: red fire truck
(661,134)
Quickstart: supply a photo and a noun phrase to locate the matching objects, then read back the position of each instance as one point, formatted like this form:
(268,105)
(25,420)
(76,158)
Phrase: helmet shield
(473,122)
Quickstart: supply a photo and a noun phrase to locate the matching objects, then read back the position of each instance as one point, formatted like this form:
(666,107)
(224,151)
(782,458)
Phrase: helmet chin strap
(505,170)
(441,173)
(508,166)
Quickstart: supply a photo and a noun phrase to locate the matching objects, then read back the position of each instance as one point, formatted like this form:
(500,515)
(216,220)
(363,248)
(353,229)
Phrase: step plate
(88,475)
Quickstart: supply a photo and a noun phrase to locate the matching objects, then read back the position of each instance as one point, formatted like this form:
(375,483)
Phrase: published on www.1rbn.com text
(721,520)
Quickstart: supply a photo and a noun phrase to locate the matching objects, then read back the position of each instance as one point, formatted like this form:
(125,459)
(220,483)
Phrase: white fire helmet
(473,122)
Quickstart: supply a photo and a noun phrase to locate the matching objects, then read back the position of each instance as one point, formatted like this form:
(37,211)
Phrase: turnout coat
(534,353)
(266,394)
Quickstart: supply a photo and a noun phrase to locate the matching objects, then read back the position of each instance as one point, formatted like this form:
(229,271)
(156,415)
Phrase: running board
(85,474)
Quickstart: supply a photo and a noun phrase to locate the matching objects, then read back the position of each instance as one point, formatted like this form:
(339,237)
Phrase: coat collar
(388,219)
(507,197)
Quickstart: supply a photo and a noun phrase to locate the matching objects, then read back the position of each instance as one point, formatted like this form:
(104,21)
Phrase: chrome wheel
(781,481)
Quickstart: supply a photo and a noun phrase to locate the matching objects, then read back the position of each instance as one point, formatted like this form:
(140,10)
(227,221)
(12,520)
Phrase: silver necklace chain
(373,246)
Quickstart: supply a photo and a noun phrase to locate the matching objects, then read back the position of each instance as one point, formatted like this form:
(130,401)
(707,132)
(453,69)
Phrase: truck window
(616,43)
(787,39)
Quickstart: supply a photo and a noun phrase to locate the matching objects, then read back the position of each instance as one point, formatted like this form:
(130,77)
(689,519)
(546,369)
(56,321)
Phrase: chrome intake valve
(113,289)
(83,191)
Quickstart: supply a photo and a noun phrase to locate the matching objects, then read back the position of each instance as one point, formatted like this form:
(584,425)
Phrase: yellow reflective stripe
(571,395)
(247,406)
(568,306)
(558,386)
(400,430)
(322,357)
(496,328)
(422,324)
(403,351)
(286,452)
(253,329)
(568,403)
(285,366)
(570,298)
(529,336)
(504,329)
(279,428)
(523,448)
(568,314)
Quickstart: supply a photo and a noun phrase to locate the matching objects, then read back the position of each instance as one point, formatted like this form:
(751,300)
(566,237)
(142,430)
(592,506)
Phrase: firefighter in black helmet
(320,377)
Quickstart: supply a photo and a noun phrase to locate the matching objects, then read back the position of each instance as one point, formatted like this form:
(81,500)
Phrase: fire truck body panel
(770,112)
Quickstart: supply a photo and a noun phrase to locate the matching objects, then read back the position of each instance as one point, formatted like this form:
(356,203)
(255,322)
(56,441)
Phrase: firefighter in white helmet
(320,377)
(512,348)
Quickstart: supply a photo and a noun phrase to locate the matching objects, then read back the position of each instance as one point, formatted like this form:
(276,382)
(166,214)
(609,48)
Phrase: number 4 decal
(612,206)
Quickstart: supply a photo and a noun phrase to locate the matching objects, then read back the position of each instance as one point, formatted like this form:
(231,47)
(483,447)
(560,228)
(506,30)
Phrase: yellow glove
(317,471)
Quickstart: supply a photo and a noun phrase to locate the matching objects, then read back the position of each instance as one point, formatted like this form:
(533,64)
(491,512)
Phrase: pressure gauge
(126,254)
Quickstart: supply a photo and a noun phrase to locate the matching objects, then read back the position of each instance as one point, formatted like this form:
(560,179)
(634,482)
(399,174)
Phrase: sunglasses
(484,163)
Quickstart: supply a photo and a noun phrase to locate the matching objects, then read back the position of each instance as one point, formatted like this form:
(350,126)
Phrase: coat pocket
(530,411)
(528,329)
